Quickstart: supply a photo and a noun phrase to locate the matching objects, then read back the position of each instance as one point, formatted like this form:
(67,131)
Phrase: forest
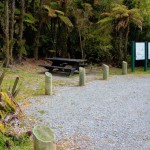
(97,30)
(100,31)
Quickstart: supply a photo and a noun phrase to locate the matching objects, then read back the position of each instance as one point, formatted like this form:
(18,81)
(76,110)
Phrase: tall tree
(59,24)
(21,42)
(83,24)
(122,17)
(12,22)
(6,32)
(38,32)
(63,32)
(82,12)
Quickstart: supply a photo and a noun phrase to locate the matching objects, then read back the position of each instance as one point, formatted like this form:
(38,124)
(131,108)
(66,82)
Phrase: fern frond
(29,18)
(48,8)
(106,14)
(66,20)
(105,20)
(59,12)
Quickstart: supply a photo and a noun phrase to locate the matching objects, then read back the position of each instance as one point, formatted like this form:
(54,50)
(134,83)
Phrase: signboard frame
(140,58)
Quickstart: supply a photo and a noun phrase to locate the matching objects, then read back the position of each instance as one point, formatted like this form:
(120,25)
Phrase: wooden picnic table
(63,63)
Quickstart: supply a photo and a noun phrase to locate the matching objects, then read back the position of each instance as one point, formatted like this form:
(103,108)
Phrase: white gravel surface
(113,114)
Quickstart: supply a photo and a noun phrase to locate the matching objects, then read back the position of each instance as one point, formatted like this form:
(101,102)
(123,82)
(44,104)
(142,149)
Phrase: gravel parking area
(103,115)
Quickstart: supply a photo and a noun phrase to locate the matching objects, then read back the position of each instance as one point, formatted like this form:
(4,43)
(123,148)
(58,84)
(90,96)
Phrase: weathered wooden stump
(48,83)
(105,72)
(82,76)
(124,68)
(44,138)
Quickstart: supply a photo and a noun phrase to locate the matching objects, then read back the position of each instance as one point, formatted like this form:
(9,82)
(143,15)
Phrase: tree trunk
(33,6)
(21,29)
(55,30)
(120,47)
(126,43)
(81,46)
(38,33)
(26,5)
(12,30)
(6,32)
(63,33)
(63,36)
(37,43)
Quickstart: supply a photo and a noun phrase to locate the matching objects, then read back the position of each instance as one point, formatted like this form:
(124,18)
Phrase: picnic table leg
(76,66)
(50,69)
(72,71)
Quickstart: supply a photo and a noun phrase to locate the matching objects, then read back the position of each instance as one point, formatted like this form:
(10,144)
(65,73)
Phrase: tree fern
(58,13)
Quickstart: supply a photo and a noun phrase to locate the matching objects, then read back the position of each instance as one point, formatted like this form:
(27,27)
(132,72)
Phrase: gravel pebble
(113,114)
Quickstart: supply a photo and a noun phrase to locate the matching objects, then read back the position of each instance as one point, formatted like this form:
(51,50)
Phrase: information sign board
(140,50)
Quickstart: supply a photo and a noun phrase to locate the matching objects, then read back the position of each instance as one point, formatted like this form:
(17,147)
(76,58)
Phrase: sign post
(133,56)
(146,52)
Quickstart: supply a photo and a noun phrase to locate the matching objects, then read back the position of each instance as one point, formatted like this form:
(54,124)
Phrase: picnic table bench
(64,64)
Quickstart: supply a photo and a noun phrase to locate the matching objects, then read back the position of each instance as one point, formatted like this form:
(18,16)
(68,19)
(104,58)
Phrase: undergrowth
(22,143)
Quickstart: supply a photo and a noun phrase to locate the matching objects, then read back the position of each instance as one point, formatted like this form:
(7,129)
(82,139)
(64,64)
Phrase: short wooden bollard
(44,138)
(105,72)
(48,83)
(124,68)
(82,76)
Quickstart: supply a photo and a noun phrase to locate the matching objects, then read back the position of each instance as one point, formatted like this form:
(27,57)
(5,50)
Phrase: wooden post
(124,68)
(48,83)
(105,72)
(82,76)
(44,138)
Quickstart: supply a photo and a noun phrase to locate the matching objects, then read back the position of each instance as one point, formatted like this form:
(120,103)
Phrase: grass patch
(140,70)
(33,83)
(29,82)
(22,143)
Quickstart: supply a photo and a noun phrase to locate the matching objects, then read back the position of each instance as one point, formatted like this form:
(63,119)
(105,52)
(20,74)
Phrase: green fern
(66,20)
(29,18)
